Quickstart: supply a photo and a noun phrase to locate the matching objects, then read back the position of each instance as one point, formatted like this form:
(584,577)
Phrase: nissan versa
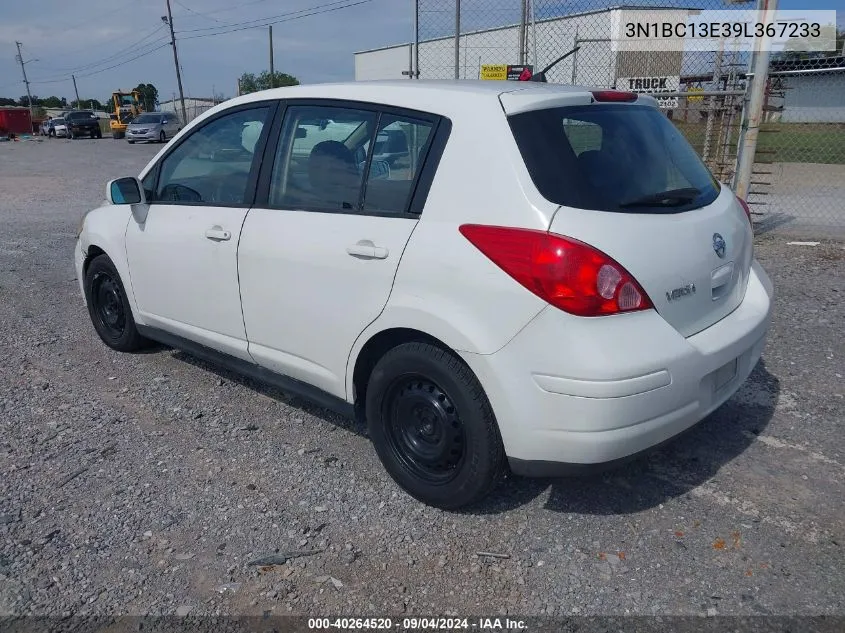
(546,278)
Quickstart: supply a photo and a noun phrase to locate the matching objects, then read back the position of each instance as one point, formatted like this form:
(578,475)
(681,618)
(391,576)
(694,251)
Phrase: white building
(595,63)
(194,106)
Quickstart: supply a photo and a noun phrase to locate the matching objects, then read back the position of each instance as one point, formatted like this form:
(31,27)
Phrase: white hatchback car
(547,278)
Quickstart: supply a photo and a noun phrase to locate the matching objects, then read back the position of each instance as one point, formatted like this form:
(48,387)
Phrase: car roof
(446,97)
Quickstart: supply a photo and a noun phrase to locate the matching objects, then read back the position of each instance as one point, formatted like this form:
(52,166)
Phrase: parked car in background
(550,279)
(54,127)
(83,123)
(153,126)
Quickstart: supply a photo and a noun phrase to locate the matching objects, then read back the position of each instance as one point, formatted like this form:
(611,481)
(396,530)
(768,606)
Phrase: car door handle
(367,250)
(217,234)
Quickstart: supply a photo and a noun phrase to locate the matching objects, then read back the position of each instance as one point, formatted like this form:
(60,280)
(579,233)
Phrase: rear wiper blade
(671,198)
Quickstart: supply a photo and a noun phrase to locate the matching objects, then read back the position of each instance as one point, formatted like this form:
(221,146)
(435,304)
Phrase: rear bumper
(86,130)
(572,393)
(147,136)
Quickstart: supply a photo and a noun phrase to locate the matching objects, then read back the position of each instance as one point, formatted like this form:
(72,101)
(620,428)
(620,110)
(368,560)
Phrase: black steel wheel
(432,426)
(424,429)
(108,306)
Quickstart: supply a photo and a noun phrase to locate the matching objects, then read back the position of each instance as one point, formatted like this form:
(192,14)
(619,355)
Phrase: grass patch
(784,142)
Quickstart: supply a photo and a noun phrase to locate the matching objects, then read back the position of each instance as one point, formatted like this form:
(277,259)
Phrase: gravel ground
(147,484)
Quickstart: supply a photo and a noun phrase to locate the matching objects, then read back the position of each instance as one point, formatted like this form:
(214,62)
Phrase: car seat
(334,178)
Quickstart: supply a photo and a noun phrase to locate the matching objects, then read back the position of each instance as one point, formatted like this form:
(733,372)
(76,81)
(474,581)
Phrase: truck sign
(653,86)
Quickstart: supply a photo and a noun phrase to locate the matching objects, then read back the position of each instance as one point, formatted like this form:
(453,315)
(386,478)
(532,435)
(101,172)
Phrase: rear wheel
(432,426)
(108,307)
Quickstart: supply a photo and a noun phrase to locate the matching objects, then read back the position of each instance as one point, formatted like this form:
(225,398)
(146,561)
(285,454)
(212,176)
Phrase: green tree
(5,101)
(149,96)
(24,101)
(53,102)
(249,82)
(86,104)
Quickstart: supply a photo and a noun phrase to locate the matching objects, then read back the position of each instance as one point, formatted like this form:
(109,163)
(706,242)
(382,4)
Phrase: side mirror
(125,191)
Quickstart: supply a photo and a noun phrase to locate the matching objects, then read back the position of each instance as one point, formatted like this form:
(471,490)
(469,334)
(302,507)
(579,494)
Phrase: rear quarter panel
(445,286)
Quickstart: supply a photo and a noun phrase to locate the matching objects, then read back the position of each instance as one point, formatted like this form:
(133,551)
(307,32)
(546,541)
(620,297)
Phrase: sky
(86,37)
(314,40)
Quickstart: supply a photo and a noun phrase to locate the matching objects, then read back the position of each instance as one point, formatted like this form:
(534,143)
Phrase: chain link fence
(799,174)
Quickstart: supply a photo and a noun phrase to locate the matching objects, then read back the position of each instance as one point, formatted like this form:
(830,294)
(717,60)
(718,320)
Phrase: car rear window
(612,157)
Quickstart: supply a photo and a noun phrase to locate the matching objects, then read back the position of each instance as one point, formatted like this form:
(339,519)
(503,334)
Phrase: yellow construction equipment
(125,107)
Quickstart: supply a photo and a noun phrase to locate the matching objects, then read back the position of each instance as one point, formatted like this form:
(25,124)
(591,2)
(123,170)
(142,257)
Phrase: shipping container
(15,120)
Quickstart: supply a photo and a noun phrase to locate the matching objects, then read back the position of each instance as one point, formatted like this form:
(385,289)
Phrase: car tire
(432,426)
(131,142)
(162,137)
(108,307)
(98,134)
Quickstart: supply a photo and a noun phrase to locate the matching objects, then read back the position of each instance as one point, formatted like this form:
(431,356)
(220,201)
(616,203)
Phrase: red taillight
(566,273)
(745,208)
(614,95)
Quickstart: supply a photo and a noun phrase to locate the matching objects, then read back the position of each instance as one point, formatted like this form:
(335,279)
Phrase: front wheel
(432,426)
(162,137)
(108,307)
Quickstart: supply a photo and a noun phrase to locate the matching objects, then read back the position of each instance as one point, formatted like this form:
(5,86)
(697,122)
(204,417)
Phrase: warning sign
(506,72)
(697,98)
(653,86)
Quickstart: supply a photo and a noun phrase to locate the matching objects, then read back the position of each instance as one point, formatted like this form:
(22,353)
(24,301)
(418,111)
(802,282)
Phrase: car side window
(321,160)
(148,183)
(400,148)
(213,164)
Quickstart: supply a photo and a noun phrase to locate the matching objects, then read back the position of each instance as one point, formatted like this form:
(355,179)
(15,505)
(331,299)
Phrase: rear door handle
(218,234)
(367,250)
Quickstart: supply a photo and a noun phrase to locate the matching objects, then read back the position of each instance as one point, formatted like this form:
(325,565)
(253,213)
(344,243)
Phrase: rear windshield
(80,115)
(613,157)
(148,118)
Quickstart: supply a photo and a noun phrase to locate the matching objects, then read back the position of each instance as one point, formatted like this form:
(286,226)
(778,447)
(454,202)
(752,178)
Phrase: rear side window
(614,157)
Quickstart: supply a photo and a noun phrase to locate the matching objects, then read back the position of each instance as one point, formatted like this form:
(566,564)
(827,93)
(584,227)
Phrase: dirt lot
(147,483)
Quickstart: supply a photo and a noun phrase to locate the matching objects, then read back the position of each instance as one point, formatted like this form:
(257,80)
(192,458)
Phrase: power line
(202,15)
(132,48)
(274,19)
(143,50)
(102,70)
(235,7)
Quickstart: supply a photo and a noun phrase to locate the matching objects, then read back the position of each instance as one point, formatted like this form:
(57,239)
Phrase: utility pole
(78,102)
(169,20)
(25,80)
(457,39)
(523,21)
(272,67)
